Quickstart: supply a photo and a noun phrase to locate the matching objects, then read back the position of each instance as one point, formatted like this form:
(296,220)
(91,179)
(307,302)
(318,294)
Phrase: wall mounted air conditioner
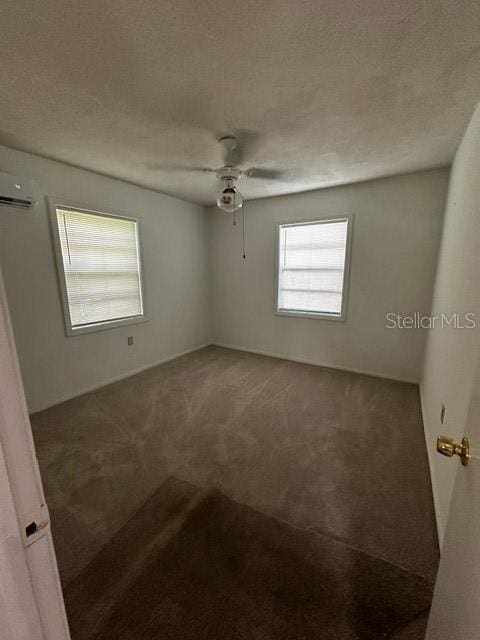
(16,192)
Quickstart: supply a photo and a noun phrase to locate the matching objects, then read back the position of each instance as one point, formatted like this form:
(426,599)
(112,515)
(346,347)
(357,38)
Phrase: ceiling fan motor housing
(228,173)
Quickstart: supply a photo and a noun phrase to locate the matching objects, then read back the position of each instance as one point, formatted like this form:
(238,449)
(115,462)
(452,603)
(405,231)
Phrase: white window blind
(311,266)
(101,264)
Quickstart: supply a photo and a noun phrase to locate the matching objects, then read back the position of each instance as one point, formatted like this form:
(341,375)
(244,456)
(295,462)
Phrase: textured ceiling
(330,91)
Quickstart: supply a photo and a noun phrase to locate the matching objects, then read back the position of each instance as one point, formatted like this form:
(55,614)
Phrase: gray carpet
(194,565)
(336,452)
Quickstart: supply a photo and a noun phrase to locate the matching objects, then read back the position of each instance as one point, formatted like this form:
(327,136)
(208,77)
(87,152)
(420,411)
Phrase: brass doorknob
(448,447)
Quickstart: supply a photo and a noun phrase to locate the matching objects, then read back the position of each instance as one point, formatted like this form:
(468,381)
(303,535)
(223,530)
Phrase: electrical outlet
(130,341)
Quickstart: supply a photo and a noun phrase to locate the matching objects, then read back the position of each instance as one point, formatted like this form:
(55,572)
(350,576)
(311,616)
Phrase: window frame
(70,330)
(319,315)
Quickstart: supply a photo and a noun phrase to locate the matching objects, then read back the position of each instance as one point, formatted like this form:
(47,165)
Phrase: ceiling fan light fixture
(229,198)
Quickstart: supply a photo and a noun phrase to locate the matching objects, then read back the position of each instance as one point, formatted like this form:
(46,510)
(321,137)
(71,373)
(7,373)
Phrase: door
(455,613)
(31,600)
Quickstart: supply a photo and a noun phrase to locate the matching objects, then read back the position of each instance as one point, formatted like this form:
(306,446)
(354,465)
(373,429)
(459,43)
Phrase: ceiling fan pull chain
(243,229)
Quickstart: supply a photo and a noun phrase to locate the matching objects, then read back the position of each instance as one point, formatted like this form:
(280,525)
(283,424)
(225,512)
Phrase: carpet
(336,452)
(195,565)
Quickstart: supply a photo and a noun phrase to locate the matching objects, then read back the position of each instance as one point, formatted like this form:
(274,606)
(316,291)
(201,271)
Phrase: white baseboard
(430,454)
(271,354)
(318,363)
(127,374)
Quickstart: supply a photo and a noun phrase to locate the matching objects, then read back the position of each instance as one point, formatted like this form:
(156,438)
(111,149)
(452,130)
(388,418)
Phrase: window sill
(102,326)
(311,314)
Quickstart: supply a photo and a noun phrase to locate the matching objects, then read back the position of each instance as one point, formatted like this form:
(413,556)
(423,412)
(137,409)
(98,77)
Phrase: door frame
(31,600)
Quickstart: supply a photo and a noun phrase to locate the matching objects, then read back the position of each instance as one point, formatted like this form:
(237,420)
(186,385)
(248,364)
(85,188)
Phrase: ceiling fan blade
(154,166)
(267,174)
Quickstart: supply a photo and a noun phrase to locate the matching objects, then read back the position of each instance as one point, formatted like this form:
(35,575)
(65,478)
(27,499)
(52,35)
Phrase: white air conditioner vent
(16,192)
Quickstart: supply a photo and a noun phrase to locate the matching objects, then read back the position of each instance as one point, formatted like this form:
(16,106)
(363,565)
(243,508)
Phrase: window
(99,268)
(312,267)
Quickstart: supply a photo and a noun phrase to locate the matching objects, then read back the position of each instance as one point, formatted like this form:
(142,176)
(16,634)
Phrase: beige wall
(396,234)
(452,354)
(395,237)
(174,248)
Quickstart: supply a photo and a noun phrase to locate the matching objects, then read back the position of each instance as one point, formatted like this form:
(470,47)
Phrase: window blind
(101,265)
(312,266)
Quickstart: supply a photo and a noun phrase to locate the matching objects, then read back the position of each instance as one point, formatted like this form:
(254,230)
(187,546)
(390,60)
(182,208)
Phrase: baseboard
(271,354)
(318,363)
(433,482)
(108,381)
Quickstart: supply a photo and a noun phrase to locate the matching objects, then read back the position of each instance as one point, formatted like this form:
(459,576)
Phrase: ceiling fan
(229,197)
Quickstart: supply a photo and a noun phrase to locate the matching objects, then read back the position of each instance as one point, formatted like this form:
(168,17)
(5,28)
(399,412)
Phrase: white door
(31,601)
(455,613)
